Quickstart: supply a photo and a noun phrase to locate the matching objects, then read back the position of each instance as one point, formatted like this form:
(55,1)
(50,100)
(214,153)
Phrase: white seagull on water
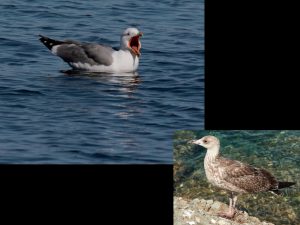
(98,57)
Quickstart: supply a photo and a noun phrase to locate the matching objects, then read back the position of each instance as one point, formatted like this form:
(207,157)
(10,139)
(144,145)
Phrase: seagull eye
(128,34)
(205,141)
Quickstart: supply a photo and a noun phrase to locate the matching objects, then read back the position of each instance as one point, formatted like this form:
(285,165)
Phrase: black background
(102,194)
(251,65)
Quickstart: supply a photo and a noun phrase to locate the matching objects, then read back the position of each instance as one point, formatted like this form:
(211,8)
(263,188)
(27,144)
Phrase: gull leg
(231,211)
(234,201)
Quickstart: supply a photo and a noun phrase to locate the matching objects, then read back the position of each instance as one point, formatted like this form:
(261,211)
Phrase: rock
(188,213)
(223,222)
(198,219)
(265,223)
(253,219)
(209,202)
(217,207)
(204,212)
(213,221)
(208,205)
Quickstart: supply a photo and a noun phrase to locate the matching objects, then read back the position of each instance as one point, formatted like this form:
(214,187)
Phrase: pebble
(188,213)
(209,202)
(191,222)
(216,206)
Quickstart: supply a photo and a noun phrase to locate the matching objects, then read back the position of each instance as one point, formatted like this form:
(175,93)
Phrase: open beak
(135,44)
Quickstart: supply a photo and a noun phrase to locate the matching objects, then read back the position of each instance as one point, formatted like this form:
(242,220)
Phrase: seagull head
(130,40)
(208,142)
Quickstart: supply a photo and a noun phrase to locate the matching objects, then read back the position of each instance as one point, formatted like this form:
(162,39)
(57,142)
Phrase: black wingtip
(48,42)
(42,38)
(285,184)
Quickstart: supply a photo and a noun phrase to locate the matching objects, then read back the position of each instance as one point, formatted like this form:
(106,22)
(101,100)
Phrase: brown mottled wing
(246,177)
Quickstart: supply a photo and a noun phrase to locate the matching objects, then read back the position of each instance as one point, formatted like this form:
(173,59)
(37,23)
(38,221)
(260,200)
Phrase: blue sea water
(47,116)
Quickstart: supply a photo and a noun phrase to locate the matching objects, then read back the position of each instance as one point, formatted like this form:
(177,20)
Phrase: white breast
(211,171)
(123,61)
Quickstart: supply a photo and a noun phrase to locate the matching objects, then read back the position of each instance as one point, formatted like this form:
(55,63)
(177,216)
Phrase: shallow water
(47,116)
(276,151)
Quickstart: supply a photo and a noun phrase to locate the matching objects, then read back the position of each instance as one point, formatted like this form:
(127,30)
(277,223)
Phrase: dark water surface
(275,151)
(47,116)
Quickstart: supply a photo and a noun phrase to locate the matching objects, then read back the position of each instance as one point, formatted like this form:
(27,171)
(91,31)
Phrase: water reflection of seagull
(234,176)
(127,82)
(97,57)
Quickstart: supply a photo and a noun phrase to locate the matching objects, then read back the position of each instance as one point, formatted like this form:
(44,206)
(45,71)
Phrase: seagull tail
(284,184)
(48,42)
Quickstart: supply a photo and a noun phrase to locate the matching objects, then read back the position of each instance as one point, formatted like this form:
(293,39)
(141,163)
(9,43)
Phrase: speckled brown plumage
(241,177)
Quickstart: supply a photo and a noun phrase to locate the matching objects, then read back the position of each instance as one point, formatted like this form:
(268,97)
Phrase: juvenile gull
(234,176)
(97,57)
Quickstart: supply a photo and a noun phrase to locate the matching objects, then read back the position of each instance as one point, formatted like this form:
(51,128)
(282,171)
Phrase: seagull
(234,176)
(97,57)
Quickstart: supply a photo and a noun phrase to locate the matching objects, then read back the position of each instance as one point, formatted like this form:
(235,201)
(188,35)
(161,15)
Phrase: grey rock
(204,212)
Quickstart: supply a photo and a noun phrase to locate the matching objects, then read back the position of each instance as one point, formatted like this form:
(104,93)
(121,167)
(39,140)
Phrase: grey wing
(92,54)
(247,177)
(101,54)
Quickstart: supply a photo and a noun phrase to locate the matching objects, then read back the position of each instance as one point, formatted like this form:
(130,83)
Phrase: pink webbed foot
(228,215)
(231,210)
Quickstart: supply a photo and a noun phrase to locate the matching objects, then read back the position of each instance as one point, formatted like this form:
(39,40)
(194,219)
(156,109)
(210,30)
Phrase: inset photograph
(99,82)
(236,177)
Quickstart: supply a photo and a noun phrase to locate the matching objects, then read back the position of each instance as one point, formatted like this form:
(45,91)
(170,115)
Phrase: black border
(251,69)
(127,194)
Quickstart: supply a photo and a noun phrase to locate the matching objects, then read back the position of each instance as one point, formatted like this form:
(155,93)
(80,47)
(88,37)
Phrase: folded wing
(247,177)
(93,54)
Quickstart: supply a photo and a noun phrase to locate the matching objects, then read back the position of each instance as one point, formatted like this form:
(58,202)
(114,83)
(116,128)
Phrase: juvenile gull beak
(196,142)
